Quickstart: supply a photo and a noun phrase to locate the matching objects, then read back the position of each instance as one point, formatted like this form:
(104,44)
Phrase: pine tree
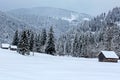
(23,44)
(31,42)
(42,40)
(60,48)
(43,37)
(35,43)
(39,43)
(68,47)
(15,39)
(84,45)
(80,46)
(75,46)
(29,33)
(109,36)
(50,47)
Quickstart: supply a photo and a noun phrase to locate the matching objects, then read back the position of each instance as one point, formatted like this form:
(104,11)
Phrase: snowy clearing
(45,67)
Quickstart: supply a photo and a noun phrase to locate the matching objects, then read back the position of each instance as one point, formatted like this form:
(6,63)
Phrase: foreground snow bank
(45,67)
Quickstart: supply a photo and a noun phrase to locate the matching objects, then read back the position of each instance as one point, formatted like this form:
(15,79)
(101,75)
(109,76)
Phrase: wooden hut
(108,56)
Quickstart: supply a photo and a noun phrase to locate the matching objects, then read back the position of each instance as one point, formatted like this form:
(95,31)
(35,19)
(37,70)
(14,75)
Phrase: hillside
(44,17)
(45,67)
(8,25)
(90,37)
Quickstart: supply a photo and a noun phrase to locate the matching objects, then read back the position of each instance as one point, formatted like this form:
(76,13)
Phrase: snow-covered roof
(14,47)
(109,54)
(5,45)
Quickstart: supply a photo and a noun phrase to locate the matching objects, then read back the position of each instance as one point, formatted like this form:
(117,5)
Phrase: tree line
(90,37)
(28,41)
(86,40)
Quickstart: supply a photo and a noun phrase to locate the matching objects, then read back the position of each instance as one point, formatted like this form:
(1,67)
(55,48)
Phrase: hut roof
(12,46)
(109,54)
(5,45)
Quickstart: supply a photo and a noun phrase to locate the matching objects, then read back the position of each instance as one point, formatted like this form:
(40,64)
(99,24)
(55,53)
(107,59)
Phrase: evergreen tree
(84,45)
(43,37)
(68,47)
(109,36)
(23,44)
(35,43)
(61,46)
(50,47)
(39,43)
(29,33)
(15,39)
(31,42)
(80,46)
(75,46)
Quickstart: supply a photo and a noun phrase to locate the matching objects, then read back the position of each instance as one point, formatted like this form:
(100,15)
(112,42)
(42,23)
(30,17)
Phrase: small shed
(13,47)
(108,56)
(5,46)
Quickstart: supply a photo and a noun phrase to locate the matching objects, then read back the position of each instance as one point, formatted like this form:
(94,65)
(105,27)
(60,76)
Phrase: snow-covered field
(45,67)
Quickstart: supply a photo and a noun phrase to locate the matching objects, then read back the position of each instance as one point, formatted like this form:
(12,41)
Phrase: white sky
(92,7)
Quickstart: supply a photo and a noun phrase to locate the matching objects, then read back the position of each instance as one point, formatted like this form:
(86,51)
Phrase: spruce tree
(29,33)
(68,47)
(80,46)
(35,43)
(39,43)
(23,44)
(109,36)
(50,47)
(43,37)
(15,39)
(31,42)
(75,46)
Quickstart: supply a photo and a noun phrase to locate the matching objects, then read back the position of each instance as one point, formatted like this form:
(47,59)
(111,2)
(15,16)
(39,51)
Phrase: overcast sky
(92,7)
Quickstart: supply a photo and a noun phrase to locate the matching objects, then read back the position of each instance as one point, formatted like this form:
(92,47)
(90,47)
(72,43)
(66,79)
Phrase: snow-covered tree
(37,43)
(75,46)
(15,39)
(43,37)
(109,36)
(50,46)
(68,47)
(61,44)
(31,43)
(23,46)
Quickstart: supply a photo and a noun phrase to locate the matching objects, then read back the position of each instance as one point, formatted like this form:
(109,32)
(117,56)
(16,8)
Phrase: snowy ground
(45,67)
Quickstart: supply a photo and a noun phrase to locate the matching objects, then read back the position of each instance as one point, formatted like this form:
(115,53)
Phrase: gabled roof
(109,54)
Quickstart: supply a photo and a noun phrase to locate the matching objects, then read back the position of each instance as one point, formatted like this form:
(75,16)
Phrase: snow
(14,47)
(45,67)
(86,19)
(5,45)
(73,17)
(109,54)
(117,23)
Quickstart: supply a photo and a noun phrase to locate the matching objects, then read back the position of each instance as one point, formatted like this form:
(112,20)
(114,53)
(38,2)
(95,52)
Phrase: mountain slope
(96,34)
(44,17)
(48,12)
(8,25)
